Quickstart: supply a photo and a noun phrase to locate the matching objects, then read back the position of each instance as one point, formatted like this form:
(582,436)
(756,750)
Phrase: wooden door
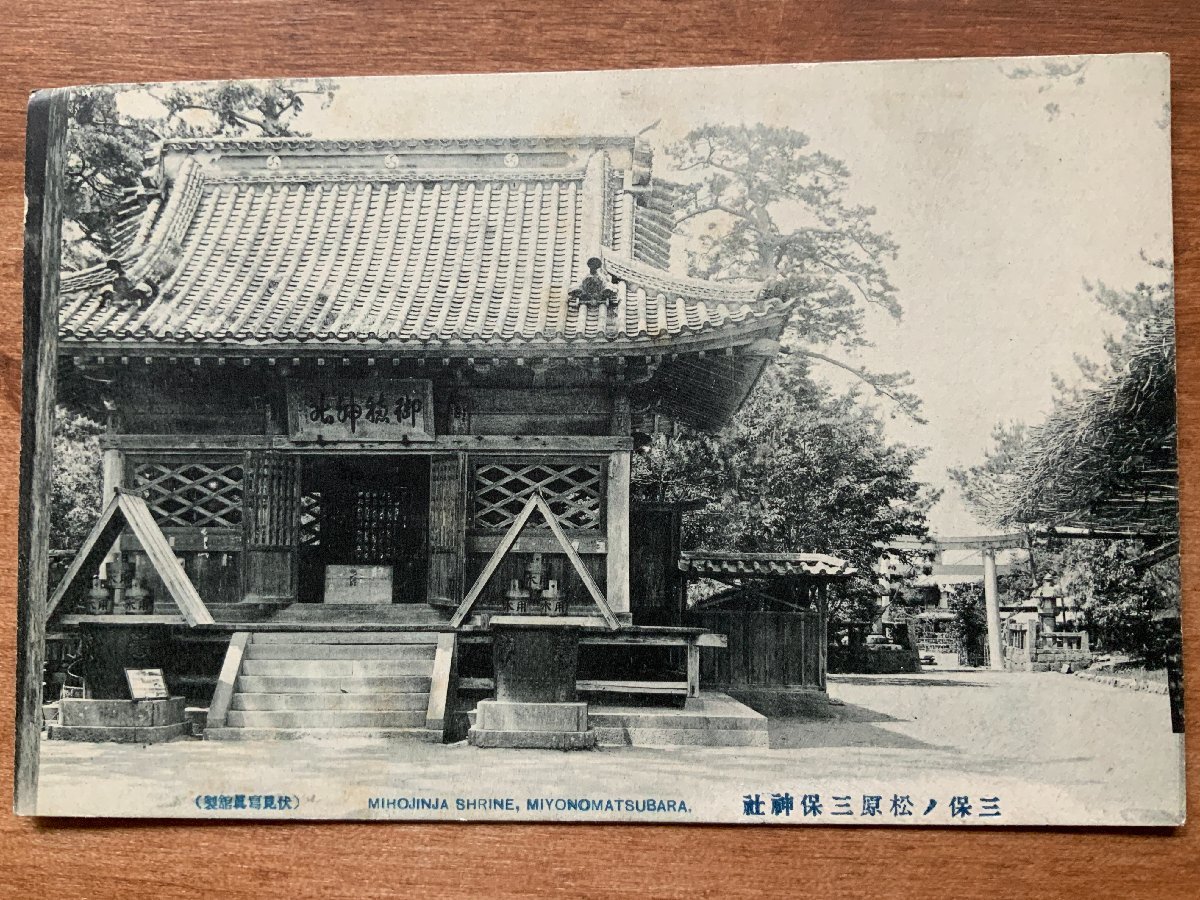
(271,521)
(656,595)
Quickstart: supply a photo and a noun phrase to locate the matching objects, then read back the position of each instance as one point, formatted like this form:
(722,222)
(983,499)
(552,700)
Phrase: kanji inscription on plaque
(376,410)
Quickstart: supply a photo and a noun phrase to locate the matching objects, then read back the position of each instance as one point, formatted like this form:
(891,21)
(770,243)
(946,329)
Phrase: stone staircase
(283,685)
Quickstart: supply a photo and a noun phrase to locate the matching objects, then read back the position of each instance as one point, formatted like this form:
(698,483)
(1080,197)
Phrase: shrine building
(349,380)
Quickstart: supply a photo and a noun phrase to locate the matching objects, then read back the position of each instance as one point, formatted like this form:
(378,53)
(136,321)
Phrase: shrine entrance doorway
(364,519)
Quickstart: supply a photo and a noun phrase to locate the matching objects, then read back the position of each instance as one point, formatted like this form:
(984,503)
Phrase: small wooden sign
(380,409)
(358,584)
(147,684)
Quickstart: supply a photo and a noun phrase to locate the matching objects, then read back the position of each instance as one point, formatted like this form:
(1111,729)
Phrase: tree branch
(903,401)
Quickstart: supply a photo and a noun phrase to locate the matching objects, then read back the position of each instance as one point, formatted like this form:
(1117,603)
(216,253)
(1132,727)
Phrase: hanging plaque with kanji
(374,410)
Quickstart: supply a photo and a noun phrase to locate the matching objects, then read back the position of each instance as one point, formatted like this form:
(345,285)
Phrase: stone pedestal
(547,726)
(536,659)
(122,721)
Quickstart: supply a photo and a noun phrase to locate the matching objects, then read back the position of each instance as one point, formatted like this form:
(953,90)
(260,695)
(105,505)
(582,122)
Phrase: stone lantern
(1047,597)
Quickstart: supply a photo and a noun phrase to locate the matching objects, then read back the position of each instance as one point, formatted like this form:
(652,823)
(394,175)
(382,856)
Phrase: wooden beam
(584,575)
(441,689)
(95,547)
(535,502)
(126,509)
(44,163)
(617,514)
(448,443)
(591,543)
(362,630)
(122,619)
(218,708)
(595,686)
(631,635)
(204,540)
(638,639)
(163,558)
(493,563)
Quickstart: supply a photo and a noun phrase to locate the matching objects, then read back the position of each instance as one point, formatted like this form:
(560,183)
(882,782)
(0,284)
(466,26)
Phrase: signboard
(384,409)
(358,584)
(147,684)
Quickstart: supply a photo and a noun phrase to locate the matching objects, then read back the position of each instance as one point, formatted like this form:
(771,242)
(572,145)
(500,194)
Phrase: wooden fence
(766,650)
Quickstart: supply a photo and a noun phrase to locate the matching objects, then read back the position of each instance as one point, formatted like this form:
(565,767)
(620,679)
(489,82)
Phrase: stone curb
(1129,684)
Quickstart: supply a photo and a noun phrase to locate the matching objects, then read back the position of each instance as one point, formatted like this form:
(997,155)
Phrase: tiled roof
(763,564)
(372,252)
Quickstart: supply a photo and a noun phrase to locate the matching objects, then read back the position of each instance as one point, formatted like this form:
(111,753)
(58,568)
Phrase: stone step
(608,736)
(329,668)
(256,650)
(417,614)
(345,637)
(289,684)
(360,702)
(673,719)
(399,735)
(325,718)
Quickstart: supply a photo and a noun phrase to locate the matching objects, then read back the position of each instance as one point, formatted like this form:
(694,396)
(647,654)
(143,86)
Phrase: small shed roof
(759,565)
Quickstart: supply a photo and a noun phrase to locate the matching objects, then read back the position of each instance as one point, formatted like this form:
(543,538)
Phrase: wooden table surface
(52,42)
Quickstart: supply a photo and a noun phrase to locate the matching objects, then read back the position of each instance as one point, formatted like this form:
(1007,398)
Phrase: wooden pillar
(271,527)
(823,633)
(693,669)
(44,160)
(617,583)
(991,600)
(112,474)
(448,492)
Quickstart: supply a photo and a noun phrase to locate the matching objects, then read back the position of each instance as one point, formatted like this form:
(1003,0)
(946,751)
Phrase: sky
(1004,193)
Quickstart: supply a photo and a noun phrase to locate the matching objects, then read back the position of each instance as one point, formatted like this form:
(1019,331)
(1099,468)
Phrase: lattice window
(573,491)
(192,494)
(310,519)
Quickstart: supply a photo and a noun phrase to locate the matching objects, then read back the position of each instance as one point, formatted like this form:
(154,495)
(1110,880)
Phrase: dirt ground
(1053,749)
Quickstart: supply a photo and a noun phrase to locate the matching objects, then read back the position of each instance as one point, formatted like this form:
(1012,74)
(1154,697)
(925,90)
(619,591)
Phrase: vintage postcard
(764,445)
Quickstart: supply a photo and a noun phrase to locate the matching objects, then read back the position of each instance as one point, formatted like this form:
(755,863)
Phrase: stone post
(991,599)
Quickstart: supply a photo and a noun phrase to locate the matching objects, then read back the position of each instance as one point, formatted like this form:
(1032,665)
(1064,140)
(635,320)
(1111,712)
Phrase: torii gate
(987,545)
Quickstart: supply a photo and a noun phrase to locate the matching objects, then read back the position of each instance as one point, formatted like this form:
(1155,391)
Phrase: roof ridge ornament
(594,289)
(123,291)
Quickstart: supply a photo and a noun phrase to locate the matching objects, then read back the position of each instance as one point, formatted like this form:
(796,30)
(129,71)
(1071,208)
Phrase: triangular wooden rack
(535,501)
(128,509)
